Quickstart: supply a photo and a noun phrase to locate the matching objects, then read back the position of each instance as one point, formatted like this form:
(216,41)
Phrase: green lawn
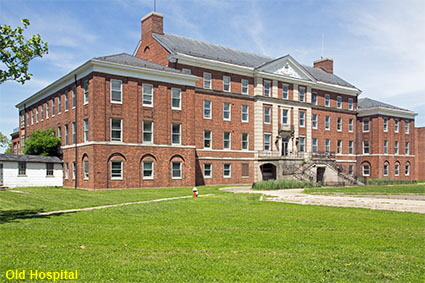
(221,238)
(388,189)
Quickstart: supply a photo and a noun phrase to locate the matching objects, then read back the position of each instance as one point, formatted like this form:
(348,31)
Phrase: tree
(42,142)
(16,52)
(4,141)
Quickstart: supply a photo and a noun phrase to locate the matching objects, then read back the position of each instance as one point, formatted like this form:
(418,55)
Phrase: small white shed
(30,171)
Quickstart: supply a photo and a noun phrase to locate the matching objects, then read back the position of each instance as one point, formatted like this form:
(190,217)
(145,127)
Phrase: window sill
(147,179)
(23,175)
(176,178)
(50,176)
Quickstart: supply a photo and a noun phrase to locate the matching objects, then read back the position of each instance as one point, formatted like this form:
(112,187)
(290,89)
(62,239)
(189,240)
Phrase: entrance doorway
(268,171)
(285,146)
(320,174)
(1,174)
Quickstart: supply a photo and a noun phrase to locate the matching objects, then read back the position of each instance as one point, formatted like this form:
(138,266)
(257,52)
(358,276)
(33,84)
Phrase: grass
(221,238)
(284,184)
(386,190)
(385,181)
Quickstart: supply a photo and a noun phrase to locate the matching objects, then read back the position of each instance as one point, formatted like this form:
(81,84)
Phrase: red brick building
(183,112)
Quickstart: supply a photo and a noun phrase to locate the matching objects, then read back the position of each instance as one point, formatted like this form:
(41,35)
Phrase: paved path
(296,196)
(100,207)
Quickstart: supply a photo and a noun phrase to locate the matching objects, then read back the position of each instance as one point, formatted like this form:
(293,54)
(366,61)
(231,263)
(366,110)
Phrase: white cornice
(100,66)
(387,112)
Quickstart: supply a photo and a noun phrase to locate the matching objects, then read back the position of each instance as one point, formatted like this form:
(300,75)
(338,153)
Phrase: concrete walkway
(296,196)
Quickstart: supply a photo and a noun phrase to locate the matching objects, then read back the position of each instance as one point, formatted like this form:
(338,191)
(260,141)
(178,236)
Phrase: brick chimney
(326,64)
(152,23)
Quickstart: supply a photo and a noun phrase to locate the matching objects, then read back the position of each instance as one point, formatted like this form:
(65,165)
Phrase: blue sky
(379,46)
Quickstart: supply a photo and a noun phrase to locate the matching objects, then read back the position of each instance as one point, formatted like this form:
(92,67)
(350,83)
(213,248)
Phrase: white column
(296,95)
(258,86)
(308,94)
(275,125)
(258,126)
(275,89)
(309,134)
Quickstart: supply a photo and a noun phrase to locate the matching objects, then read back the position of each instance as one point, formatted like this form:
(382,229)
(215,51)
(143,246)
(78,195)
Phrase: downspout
(76,133)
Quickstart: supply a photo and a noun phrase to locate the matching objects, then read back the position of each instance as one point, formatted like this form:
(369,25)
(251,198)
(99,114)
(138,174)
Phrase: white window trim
(408,170)
(368,125)
(385,128)
(152,95)
(86,133)
(203,109)
(287,116)
(337,124)
(210,139)
(363,147)
(406,127)
(247,142)
(316,120)
(122,170)
(247,114)
(86,93)
(270,115)
(180,169)
(230,171)
(180,134)
(115,102)
(396,170)
(337,102)
(299,93)
(363,171)
(396,122)
(350,104)
(204,80)
(247,86)
(350,125)
(230,83)
(304,122)
(143,170)
(230,112)
(143,132)
(328,98)
(180,98)
(211,171)
(270,142)
(328,126)
(264,88)
(287,92)
(121,129)
(86,176)
(230,141)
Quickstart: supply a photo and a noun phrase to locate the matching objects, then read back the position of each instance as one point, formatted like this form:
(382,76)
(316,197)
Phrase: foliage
(42,142)
(370,190)
(16,52)
(284,184)
(4,141)
(222,238)
(385,181)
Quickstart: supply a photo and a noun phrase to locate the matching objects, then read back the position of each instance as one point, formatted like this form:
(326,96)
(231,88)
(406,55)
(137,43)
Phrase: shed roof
(30,158)
(367,103)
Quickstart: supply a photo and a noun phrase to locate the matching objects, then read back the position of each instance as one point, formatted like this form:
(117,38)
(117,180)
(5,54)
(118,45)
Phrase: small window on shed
(22,168)
(49,169)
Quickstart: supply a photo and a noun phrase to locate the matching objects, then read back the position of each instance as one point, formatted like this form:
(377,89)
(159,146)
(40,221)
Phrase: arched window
(85,160)
(116,166)
(397,168)
(407,169)
(366,169)
(386,168)
(176,164)
(148,166)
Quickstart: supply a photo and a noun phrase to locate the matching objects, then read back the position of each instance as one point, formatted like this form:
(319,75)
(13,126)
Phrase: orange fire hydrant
(195,192)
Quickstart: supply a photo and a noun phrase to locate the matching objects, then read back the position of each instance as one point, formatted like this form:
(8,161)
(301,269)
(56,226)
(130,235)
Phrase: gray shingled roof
(180,44)
(30,158)
(367,103)
(127,59)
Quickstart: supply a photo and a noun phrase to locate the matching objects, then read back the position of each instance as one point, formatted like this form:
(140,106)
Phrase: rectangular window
(366,149)
(339,124)
(407,148)
(267,141)
(285,114)
(350,104)
(47,110)
(285,91)
(86,170)
(314,98)
(302,119)
(366,170)
(327,100)
(116,129)
(32,118)
(226,83)
(226,140)
(226,111)
(396,147)
(59,104)
(244,86)
(86,92)
(207,80)
(245,141)
(267,115)
(147,95)
(66,134)
(42,112)
(36,115)
(147,131)
(385,146)
(60,133)
(350,169)
(176,99)
(207,170)
(407,170)
(385,169)
(350,125)
(396,170)
(66,171)
(176,133)
(207,138)
(302,93)
(385,124)
(245,113)
(366,125)
(176,170)
(116,170)
(74,170)
(339,102)
(74,132)
(66,102)
(22,168)
(327,122)
(302,144)
(339,147)
(147,170)
(314,121)
(328,145)
(406,127)
(350,147)
(86,130)
(314,146)
(267,85)
(74,97)
(116,91)
(207,109)
(227,170)
(396,125)
(245,170)
(53,107)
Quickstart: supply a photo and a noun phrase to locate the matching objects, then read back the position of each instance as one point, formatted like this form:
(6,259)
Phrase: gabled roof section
(368,107)
(323,76)
(130,60)
(29,158)
(286,66)
(367,103)
(197,48)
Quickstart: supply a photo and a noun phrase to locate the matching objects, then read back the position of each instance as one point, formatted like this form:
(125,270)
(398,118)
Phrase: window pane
(147,94)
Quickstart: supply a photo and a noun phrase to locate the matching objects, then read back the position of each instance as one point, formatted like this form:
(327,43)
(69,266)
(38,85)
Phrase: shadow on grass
(8,216)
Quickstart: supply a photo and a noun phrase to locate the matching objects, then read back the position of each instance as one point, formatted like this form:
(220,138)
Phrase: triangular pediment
(287,67)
